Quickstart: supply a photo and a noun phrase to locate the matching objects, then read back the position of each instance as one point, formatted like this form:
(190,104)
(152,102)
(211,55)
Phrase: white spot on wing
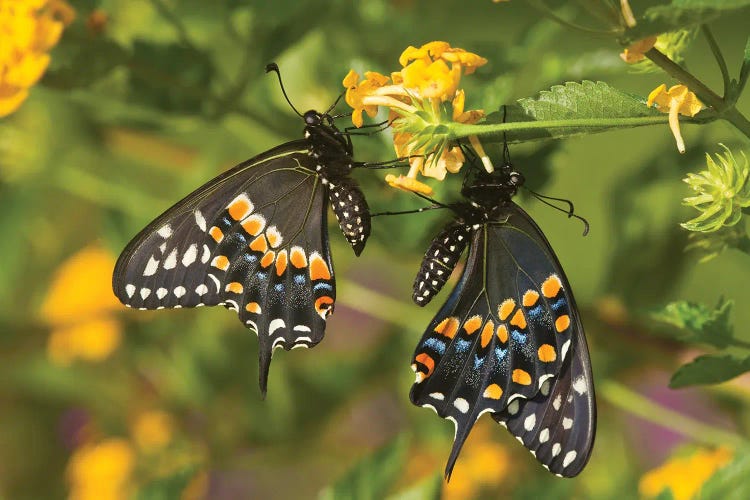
(275,325)
(461,405)
(437,395)
(151,266)
(580,386)
(564,349)
(557,402)
(161,292)
(216,282)
(569,457)
(145,292)
(567,423)
(544,435)
(206,254)
(200,220)
(556,449)
(179,291)
(530,422)
(201,290)
(171,261)
(165,231)
(190,255)
(130,290)
(302,328)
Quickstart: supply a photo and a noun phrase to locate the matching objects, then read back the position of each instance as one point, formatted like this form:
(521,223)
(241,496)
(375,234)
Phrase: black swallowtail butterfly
(255,240)
(508,339)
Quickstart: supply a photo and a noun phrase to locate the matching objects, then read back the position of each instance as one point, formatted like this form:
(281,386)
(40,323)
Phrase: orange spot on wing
(268,258)
(216,234)
(234,287)
(220,262)
(254,224)
(502,333)
(519,320)
(448,327)
(562,323)
(504,310)
(530,298)
(487,331)
(240,208)
(551,286)
(259,244)
(493,391)
(297,258)
(281,263)
(427,361)
(472,324)
(253,307)
(547,353)
(521,377)
(324,306)
(318,268)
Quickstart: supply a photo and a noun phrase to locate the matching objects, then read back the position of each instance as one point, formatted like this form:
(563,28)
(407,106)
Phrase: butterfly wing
(439,260)
(253,239)
(505,338)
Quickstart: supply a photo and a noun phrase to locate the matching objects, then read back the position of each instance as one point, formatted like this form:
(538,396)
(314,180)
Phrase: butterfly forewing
(504,334)
(254,240)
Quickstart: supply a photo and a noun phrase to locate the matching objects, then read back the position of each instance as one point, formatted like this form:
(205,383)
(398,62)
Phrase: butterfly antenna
(275,68)
(335,103)
(506,150)
(568,212)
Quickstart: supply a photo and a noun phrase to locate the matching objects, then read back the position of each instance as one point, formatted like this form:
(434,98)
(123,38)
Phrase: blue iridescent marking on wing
(279,287)
(326,286)
(535,312)
(500,354)
(560,303)
(518,337)
(436,345)
(300,279)
(478,362)
(462,345)
(250,258)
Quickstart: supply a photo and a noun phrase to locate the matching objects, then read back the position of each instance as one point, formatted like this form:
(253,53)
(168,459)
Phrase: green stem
(719,57)
(459,130)
(620,396)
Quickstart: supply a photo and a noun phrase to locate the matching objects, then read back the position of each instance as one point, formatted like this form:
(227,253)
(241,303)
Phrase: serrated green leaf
(699,323)
(730,482)
(680,14)
(709,369)
(373,476)
(567,110)
(428,489)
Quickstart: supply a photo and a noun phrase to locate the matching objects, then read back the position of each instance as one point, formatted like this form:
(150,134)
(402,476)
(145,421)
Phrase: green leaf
(709,369)
(167,488)
(730,482)
(82,59)
(373,476)
(680,14)
(563,111)
(699,323)
(428,489)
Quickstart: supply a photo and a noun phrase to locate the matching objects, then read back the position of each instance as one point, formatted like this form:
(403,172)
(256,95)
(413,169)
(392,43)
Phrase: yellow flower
(79,306)
(152,430)
(408,184)
(28,29)
(483,463)
(431,79)
(678,100)
(101,471)
(635,52)
(684,476)
(361,95)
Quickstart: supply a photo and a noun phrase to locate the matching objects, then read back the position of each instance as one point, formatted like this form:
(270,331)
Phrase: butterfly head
(492,190)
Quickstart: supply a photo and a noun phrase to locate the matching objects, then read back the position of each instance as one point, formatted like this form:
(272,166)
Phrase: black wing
(253,239)
(439,260)
(504,342)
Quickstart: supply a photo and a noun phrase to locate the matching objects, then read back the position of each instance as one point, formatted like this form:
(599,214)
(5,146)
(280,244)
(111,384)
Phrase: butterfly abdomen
(351,210)
(439,261)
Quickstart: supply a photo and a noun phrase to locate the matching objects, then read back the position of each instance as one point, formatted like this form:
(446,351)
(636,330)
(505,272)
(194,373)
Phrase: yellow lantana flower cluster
(79,309)
(684,476)
(430,76)
(28,30)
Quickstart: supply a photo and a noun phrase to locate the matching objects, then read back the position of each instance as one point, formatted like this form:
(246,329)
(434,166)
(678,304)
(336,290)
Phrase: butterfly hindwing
(503,337)
(253,239)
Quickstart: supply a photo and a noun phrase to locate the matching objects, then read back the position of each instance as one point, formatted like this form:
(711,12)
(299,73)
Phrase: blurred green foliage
(146,99)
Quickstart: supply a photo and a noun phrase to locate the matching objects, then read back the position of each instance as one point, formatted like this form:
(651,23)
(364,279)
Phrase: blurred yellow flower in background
(678,100)
(101,471)
(28,29)
(684,476)
(484,463)
(152,430)
(79,308)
